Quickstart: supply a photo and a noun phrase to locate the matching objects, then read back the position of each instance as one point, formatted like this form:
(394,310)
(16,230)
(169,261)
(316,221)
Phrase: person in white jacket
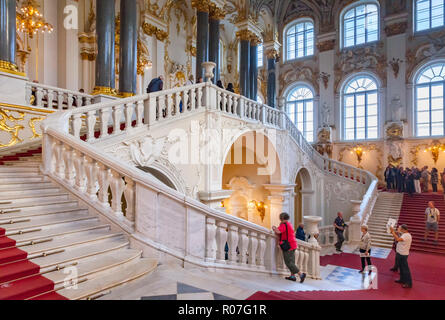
(365,249)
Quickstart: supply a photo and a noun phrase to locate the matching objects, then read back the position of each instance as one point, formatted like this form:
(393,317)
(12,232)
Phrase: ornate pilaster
(105,28)
(128,48)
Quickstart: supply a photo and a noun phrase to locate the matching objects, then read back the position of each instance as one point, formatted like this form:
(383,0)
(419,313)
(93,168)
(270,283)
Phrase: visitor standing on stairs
(425,179)
(288,243)
(365,249)
(434,179)
(403,246)
(340,226)
(432,215)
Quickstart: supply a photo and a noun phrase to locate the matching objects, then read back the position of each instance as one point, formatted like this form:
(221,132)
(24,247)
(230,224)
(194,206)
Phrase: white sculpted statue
(326,115)
(396,109)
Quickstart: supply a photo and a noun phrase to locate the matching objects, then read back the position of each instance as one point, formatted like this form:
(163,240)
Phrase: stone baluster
(80,171)
(221,240)
(211,240)
(193,99)
(244,246)
(91,123)
(117,186)
(161,106)
(88,101)
(253,236)
(39,97)
(117,114)
(69,167)
(199,98)
(91,175)
(129,194)
(76,123)
(104,119)
(169,109)
(70,101)
(60,100)
(50,99)
(104,184)
(129,107)
(59,162)
(185,101)
(233,244)
(177,109)
(139,113)
(28,93)
(261,253)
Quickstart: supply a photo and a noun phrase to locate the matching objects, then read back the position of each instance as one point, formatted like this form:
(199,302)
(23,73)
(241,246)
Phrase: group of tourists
(413,180)
(287,241)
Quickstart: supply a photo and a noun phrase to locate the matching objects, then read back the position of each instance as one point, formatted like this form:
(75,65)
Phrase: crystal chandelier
(30,20)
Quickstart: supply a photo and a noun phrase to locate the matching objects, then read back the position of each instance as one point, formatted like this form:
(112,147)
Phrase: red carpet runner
(19,277)
(427,272)
(412,213)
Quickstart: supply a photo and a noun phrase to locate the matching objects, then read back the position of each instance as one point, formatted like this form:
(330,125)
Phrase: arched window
(429,14)
(360,25)
(260,55)
(360,109)
(299,40)
(429,93)
(300,106)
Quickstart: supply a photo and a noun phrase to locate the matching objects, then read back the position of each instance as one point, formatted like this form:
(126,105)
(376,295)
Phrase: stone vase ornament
(209,67)
(311,226)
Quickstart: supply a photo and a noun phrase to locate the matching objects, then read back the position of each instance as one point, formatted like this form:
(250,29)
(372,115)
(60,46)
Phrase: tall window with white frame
(429,14)
(300,40)
(361,25)
(430,86)
(360,109)
(300,106)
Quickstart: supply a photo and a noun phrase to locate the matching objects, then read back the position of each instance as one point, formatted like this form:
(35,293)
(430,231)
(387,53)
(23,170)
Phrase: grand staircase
(49,242)
(387,206)
(413,215)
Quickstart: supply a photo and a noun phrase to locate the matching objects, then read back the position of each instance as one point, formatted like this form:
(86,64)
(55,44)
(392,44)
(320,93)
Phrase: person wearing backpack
(156,85)
(288,243)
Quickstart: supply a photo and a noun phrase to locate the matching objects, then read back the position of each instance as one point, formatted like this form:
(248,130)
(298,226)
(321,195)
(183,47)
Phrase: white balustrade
(49,97)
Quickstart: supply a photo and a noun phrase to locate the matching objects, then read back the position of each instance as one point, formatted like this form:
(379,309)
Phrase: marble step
(44,206)
(18,179)
(26,186)
(98,285)
(75,253)
(70,240)
(18,169)
(21,215)
(98,265)
(21,174)
(35,200)
(14,194)
(22,163)
(54,231)
(35,222)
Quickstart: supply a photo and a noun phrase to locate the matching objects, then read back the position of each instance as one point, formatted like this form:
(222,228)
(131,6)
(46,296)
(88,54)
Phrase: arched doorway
(303,196)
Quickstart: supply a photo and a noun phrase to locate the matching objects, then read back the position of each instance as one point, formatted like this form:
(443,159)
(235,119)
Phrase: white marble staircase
(387,206)
(58,233)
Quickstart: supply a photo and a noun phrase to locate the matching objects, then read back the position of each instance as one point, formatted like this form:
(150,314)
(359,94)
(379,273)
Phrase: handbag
(285,245)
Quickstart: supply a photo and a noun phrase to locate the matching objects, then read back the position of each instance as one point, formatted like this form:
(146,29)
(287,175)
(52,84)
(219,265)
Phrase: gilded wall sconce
(359,152)
(435,150)
(260,206)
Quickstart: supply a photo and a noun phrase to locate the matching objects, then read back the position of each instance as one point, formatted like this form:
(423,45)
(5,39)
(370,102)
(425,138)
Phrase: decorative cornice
(245,35)
(9,67)
(396,28)
(90,56)
(152,30)
(85,38)
(255,40)
(201,5)
(216,13)
(326,45)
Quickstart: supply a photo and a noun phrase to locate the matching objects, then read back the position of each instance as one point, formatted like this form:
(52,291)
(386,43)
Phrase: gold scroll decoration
(12,130)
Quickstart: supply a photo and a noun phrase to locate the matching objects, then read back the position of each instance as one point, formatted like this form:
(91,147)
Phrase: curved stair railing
(156,215)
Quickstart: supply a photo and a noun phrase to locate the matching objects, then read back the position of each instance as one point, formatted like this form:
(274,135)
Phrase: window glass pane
(423,104)
(423,117)
(361,134)
(360,122)
(437,115)
(373,133)
(349,134)
(372,121)
(423,130)
(437,129)
(361,25)
(423,92)
(300,42)
(349,123)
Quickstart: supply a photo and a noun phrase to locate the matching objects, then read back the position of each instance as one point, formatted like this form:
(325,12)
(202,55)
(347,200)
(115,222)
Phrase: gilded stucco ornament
(13,129)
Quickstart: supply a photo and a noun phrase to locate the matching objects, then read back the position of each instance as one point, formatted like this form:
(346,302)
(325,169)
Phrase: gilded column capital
(255,40)
(201,5)
(272,54)
(152,30)
(216,13)
(245,35)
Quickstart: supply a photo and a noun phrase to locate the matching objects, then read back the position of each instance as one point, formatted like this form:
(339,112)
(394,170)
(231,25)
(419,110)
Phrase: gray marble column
(105,28)
(7,31)
(202,46)
(214,47)
(244,68)
(271,80)
(253,72)
(128,48)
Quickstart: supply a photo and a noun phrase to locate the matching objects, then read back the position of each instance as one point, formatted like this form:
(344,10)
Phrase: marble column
(253,71)
(244,68)
(271,78)
(7,35)
(202,46)
(128,48)
(105,28)
(214,46)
